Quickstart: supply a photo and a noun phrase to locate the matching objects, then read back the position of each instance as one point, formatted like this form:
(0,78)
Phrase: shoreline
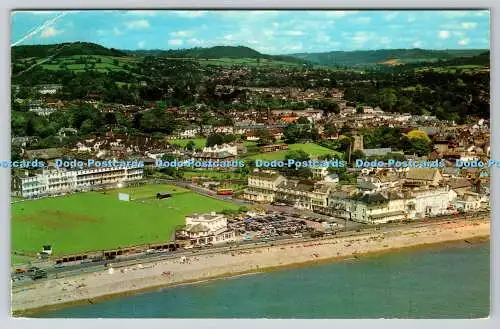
(406,239)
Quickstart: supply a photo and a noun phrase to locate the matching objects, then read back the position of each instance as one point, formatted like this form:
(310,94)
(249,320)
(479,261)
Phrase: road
(74,269)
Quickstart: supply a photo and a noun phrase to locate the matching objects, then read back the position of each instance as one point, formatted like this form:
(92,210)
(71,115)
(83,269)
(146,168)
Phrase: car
(39,274)
(189,247)
(20,270)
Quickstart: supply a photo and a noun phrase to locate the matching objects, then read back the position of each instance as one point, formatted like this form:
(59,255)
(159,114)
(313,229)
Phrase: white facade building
(432,202)
(207,228)
(231,149)
(48,89)
(52,182)
(189,132)
(42,111)
(468,202)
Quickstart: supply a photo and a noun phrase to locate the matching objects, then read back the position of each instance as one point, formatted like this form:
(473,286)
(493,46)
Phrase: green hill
(216,52)
(63,50)
(374,57)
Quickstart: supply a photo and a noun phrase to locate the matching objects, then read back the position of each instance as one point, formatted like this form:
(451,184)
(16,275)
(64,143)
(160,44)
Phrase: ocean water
(444,282)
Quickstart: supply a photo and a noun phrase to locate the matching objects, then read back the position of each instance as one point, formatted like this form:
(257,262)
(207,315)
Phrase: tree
(331,107)
(15,153)
(418,134)
(157,120)
(87,127)
(110,118)
(170,171)
(190,145)
(388,99)
(303,121)
(298,156)
(264,137)
(291,134)
(214,139)
(357,154)
(329,129)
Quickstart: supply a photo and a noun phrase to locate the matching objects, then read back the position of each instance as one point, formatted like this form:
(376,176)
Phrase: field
(107,63)
(246,62)
(199,142)
(97,221)
(314,150)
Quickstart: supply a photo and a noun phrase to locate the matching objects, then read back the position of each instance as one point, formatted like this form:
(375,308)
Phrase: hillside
(63,50)
(481,59)
(216,52)
(373,57)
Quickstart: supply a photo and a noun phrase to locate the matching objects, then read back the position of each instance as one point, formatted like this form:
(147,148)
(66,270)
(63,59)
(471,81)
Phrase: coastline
(96,287)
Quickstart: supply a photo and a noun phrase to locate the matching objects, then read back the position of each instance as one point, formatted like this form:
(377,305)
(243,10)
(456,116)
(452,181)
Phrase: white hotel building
(57,181)
(207,228)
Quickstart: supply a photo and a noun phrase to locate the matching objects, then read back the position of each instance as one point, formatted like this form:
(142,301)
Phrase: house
(273,148)
(304,194)
(190,132)
(376,183)
(252,136)
(43,111)
(262,186)
(319,172)
(48,89)
(231,149)
(49,154)
(460,185)
(367,110)
(451,172)
(429,201)
(467,202)
(423,177)
(332,178)
(377,208)
(65,132)
(206,228)
(377,152)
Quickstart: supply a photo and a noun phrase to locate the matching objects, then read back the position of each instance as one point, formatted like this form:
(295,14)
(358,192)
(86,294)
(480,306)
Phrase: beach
(90,288)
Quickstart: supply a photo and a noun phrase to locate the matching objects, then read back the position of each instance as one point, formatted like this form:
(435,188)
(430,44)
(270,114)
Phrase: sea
(450,281)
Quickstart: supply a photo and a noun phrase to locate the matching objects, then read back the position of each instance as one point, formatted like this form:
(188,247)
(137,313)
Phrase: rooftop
(425,174)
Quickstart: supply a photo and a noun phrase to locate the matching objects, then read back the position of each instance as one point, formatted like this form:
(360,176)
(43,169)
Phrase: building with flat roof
(59,181)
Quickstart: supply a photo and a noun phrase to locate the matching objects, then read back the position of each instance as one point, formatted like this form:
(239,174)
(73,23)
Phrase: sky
(270,32)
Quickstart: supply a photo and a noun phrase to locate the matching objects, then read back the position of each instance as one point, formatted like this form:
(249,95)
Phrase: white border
(6,5)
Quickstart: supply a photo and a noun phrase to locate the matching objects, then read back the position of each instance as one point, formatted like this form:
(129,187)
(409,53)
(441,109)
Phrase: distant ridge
(386,57)
(374,57)
(216,52)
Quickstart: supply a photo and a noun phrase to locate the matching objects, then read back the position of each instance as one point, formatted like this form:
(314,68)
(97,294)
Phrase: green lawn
(199,142)
(314,150)
(19,260)
(97,221)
